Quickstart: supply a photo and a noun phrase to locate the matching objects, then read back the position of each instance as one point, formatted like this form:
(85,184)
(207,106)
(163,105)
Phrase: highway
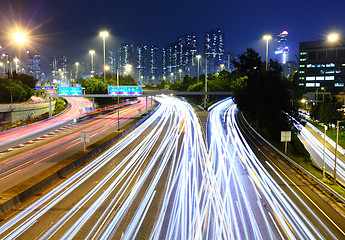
(37,153)
(288,207)
(151,184)
(161,181)
(313,140)
(26,133)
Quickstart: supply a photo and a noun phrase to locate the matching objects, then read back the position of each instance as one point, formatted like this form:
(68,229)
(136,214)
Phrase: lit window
(338,71)
(310,78)
(320,78)
(301,66)
(303,53)
(343,64)
(329,72)
(329,78)
(303,59)
(301,78)
(338,84)
(310,85)
(301,84)
(301,71)
(317,84)
(330,65)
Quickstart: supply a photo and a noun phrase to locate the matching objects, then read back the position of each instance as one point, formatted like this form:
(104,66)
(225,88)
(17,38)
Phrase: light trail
(279,215)
(169,183)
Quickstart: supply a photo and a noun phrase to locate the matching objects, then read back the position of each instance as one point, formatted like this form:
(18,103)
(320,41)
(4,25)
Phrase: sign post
(85,138)
(285,137)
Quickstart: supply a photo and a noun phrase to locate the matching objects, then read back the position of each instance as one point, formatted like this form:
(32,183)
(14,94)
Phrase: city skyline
(72,29)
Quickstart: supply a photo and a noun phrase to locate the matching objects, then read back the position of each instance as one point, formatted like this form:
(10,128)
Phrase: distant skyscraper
(127,56)
(141,63)
(188,63)
(112,61)
(214,50)
(282,49)
(33,64)
(60,68)
(153,65)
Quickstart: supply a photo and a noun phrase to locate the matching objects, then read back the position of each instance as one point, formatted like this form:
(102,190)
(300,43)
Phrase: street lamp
(323,95)
(198,58)
(333,37)
(221,67)
(172,77)
(104,34)
(180,71)
(92,52)
(335,154)
(19,37)
(267,37)
(324,151)
(128,68)
(77,66)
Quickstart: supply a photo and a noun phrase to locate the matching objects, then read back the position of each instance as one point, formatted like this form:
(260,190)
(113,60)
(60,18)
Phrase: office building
(322,66)
(282,49)
(153,64)
(141,63)
(60,69)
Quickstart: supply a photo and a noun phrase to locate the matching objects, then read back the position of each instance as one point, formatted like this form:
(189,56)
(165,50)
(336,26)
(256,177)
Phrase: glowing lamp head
(106,68)
(333,37)
(104,34)
(198,56)
(128,67)
(92,51)
(19,37)
(267,37)
(77,63)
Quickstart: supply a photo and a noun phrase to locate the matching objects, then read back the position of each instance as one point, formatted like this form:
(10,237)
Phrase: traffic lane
(329,221)
(60,210)
(46,152)
(28,132)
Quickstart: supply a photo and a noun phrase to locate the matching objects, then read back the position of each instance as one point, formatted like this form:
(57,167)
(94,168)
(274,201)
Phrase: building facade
(214,50)
(282,49)
(322,67)
(33,64)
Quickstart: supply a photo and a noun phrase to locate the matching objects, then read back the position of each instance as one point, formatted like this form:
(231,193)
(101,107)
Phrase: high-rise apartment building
(153,64)
(127,57)
(33,64)
(322,66)
(141,63)
(60,68)
(214,50)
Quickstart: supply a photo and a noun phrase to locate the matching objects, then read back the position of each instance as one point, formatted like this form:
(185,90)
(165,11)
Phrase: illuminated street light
(104,34)
(128,68)
(92,52)
(106,68)
(180,71)
(333,37)
(222,67)
(19,37)
(267,37)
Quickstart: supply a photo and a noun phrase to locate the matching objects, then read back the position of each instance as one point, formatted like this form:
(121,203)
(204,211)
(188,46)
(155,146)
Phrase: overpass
(145,94)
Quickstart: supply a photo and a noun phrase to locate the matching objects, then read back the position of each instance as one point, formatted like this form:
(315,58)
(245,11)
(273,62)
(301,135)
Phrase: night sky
(71,27)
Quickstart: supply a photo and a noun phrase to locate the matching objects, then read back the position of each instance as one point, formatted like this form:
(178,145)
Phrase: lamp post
(172,77)
(267,37)
(323,95)
(335,154)
(222,67)
(92,52)
(104,34)
(77,66)
(324,151)
(198,58)
(180,71)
